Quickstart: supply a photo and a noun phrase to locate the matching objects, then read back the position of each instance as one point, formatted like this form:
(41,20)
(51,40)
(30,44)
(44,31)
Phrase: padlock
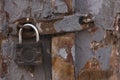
(28,52)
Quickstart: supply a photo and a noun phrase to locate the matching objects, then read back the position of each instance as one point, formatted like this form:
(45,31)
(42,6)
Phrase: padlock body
(28,53)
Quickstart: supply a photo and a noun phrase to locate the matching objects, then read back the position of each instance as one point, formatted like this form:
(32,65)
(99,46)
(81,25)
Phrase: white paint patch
(73,52)
(95,6)
(63,53)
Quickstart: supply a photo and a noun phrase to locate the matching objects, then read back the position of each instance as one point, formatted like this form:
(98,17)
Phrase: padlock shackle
(31,25)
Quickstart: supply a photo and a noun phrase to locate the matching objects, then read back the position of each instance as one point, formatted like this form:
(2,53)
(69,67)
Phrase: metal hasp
(62,46)
(28,52)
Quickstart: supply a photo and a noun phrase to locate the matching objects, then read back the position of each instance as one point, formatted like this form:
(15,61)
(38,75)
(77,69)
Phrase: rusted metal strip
(48,27)
(62,57)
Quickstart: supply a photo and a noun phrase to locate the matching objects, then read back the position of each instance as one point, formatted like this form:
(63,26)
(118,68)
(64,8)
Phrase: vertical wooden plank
(47,62)
(62,57)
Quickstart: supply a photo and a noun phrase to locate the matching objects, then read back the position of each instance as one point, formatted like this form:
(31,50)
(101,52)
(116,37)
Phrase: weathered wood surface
(104,12)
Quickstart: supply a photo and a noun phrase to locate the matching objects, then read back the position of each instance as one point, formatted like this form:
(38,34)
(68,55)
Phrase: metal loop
(31,25)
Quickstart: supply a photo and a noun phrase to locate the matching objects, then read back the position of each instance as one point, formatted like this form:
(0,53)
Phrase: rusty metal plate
(62,57)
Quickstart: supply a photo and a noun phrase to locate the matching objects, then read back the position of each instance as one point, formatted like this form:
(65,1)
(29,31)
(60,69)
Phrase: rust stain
(3,67)
(4,17)
(117,22)
(92,64)
(115,55)
(93,71)
(63,67)
(110,38)
(113,59)
(62,70)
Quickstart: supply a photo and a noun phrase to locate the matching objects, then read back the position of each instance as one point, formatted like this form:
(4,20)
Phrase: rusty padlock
(28,52)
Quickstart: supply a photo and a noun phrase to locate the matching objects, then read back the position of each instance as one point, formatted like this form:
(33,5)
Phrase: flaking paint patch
(73,52)
(62,53)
